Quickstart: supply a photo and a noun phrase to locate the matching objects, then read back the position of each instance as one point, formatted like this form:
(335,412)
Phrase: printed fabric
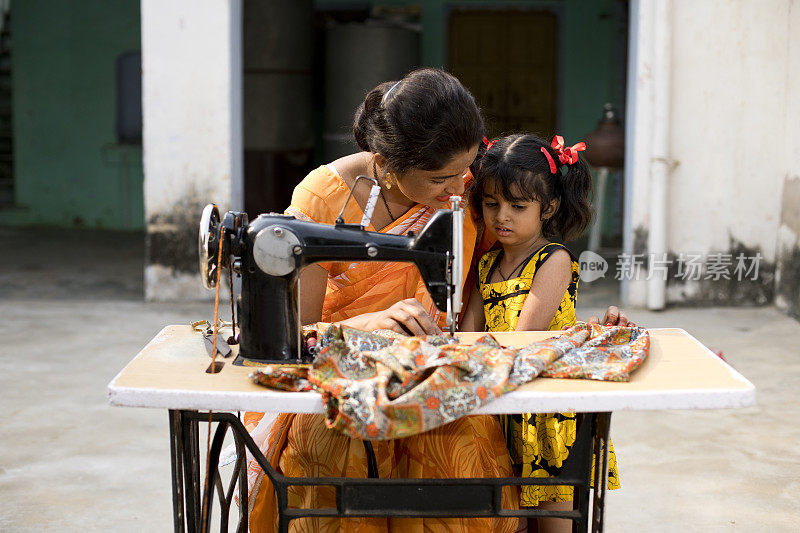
(416,384)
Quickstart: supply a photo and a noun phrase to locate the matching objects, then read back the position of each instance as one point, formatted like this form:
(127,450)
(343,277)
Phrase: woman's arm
(547,290)
(405,316)
(473,318)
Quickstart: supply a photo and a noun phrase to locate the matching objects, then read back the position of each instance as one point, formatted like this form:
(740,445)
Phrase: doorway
(508,60)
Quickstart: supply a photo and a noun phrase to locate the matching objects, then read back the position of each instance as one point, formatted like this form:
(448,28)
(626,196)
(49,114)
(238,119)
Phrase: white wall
(191,90)
(732,81)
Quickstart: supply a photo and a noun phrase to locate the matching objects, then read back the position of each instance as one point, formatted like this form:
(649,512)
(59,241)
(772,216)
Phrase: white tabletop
(679,373)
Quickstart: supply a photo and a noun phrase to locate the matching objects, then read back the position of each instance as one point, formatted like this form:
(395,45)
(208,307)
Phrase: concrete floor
(70,462)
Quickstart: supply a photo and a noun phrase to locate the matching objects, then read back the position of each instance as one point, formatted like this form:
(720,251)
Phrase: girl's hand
(613,317)
(406,316)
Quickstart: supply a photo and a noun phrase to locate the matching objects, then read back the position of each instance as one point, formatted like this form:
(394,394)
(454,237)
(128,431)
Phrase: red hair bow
(488,144)
(569,155)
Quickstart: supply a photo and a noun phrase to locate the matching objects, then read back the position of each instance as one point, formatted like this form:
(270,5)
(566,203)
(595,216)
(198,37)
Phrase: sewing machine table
(170,373)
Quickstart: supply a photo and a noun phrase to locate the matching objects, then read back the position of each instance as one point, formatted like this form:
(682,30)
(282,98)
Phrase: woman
(418,138)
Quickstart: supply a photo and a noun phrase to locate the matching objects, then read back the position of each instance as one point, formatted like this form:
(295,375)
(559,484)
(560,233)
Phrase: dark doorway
(508,60)
(278,81)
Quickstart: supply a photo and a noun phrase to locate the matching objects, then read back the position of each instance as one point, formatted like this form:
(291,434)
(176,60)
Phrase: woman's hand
(406,316)
(613,317)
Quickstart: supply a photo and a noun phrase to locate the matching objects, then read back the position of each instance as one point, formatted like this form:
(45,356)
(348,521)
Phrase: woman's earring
(388,181)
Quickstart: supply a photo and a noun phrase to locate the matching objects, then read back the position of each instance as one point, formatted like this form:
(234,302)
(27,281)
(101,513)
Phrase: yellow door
(507,59)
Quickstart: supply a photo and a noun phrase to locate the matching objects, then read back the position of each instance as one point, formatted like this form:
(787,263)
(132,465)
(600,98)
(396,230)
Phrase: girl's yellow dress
(540,442)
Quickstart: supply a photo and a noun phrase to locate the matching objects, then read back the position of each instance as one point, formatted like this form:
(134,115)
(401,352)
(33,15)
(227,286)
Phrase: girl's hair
(518,170)
(419,122)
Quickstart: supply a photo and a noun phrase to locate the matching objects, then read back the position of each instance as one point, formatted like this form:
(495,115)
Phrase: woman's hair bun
(365,114)
(419,122)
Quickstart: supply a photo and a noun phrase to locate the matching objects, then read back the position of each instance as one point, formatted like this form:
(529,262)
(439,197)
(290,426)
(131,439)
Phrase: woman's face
(435,187)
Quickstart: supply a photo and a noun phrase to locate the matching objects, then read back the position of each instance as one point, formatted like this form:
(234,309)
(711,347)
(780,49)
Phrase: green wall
(69,170)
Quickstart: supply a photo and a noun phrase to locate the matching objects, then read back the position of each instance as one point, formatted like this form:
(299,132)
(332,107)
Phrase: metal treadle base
(372,496)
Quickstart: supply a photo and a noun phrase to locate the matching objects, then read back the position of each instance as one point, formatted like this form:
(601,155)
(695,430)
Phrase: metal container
(277,46)
(357,58)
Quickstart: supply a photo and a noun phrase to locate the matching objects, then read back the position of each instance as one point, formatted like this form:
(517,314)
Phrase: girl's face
(435,187)
(513,222)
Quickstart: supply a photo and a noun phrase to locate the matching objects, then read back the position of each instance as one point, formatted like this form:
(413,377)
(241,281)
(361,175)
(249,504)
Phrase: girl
(531,193)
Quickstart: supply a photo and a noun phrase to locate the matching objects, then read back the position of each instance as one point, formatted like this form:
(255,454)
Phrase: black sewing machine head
(269,253)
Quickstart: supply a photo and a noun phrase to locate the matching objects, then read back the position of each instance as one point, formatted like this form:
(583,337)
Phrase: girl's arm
(473,318)
(548,288)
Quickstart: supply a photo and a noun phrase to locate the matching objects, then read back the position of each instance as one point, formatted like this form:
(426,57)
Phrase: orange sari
(301,445)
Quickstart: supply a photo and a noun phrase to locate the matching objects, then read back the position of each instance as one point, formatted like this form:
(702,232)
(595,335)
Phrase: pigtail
(574,191)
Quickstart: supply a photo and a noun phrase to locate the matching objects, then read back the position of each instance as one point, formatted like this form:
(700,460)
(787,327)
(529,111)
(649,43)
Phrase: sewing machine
(269,253)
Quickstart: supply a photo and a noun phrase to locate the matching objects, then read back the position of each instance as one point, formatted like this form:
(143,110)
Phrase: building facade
(241,98)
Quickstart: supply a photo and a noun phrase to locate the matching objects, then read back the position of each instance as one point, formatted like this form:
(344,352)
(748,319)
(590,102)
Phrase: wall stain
(788,284)
(171,239)
(734,292)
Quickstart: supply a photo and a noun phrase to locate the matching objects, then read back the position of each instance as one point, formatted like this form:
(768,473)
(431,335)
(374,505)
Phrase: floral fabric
(611,358)
(413,385)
